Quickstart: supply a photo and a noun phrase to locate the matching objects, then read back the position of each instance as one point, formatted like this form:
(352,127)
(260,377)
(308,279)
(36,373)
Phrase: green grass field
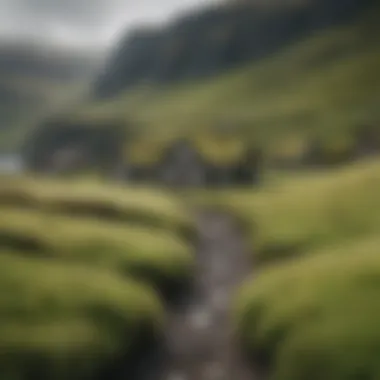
(93,199)
(317,317)
(84,268)
(293,214)
(312,310)
(60,320)
(79,260)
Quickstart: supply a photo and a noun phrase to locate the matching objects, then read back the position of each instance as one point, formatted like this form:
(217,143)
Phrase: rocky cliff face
(212,41)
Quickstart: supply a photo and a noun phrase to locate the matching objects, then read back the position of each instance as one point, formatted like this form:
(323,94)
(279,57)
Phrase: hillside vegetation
(325,84)
(208,42)
(311,311)
(85,273)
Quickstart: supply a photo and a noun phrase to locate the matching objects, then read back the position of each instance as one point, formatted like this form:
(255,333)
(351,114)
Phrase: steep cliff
(211,41)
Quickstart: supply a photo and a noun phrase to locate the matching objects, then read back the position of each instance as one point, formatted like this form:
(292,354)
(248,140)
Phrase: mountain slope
(211,41)
(35,78)
(322,86)
(326,83)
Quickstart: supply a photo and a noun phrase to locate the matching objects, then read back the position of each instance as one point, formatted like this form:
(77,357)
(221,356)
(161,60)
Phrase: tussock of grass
(132,205)
(63,320)
(293,216)
(317,318)
(156,256)
(83,267)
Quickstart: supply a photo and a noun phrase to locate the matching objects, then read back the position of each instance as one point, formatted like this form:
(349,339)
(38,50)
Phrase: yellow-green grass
(157,256)
(66,321)
(83,268)
(290,216)
(212,147)
(153,208)
(316,318)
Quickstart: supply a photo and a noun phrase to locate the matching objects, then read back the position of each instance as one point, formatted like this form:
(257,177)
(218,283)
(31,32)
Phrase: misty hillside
(35,78)
(324,86)
(328,82)
(211,41)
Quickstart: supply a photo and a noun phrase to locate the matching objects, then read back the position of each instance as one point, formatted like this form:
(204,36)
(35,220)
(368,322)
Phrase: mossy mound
(158,257)
(84,271)
(132,205)
(212,148)
(316,318)
(61,320)
(290,215)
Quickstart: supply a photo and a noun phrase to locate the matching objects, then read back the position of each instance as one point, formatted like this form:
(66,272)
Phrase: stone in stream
(201,319)
(214,371)
(177,376)
(220,299)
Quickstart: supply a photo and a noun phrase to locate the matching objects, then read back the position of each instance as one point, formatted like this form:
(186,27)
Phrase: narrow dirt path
(199,341)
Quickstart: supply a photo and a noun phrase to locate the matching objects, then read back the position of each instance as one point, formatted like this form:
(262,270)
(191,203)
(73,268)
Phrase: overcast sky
(84,22)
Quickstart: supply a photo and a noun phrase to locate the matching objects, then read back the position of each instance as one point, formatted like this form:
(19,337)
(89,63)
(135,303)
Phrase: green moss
(145,152)
(290,148)
(220,150)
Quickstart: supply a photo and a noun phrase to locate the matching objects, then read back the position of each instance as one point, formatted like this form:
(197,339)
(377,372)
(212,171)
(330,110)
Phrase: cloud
(95,22)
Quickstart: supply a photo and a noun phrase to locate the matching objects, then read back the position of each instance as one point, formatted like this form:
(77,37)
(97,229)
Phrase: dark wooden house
(182,165)
(192,163)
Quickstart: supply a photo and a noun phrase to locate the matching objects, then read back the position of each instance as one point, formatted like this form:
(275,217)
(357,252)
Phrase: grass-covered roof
(212,149)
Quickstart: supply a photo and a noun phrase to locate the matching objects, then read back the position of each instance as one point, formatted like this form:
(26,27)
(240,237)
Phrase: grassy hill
(311,311)
(324,84)
(84,271)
